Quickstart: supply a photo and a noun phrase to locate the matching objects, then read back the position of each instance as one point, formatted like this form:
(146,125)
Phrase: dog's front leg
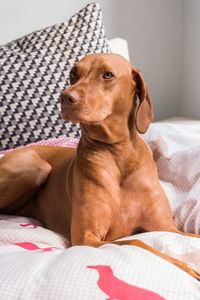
(90,222)
(90,239)
(91,230)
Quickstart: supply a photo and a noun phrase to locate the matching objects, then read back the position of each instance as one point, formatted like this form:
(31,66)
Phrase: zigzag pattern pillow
(34,70)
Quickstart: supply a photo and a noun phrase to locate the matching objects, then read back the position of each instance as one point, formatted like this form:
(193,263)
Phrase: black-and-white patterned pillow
(34,70)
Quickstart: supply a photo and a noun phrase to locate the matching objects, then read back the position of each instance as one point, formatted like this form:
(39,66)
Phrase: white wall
(189,102)
(153,30)
(157,32)
(19,17)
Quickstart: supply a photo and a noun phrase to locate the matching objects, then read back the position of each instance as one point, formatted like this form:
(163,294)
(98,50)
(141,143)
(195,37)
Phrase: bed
(36,263)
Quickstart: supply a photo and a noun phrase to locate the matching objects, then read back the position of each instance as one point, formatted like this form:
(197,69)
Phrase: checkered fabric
(34,70)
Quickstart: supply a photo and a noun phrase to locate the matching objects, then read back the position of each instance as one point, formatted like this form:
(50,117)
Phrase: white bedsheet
(176,150)
(34,264)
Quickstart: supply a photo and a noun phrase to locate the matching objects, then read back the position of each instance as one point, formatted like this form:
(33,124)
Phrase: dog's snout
(70,97)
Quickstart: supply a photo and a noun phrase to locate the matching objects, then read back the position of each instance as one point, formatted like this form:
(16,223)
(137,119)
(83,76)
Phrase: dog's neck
(125,146)
(126,153)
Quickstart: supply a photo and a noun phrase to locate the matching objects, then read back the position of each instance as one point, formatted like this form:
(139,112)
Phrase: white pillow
(119,46)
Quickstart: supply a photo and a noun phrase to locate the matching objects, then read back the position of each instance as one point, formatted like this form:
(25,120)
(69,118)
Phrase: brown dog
(106,189)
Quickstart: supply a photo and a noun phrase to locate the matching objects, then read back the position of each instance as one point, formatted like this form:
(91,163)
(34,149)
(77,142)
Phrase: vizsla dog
(108,187)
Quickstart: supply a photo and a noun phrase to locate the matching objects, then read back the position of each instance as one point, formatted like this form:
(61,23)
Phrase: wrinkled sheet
(176,150)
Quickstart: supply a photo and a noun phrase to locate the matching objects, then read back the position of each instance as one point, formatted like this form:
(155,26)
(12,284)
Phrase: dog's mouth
(94,122)
(78,119)
(87,118)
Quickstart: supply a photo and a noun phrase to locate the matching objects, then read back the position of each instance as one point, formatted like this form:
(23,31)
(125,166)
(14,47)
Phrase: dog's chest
(131,196)
(125,193)
(127,205)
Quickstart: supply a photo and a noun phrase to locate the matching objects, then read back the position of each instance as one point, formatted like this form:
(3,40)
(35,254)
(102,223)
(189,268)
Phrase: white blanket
(34,264)
(176,150)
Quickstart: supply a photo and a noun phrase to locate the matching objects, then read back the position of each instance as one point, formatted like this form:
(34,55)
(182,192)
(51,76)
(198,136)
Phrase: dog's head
(105,87)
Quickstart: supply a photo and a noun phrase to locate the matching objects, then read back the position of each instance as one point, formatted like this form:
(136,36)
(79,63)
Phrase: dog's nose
(71,97)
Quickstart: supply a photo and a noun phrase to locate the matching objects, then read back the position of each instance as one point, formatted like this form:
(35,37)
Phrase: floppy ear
(144,114)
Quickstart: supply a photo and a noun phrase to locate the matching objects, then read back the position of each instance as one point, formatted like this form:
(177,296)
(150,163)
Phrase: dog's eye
(73,75)
(108,75)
